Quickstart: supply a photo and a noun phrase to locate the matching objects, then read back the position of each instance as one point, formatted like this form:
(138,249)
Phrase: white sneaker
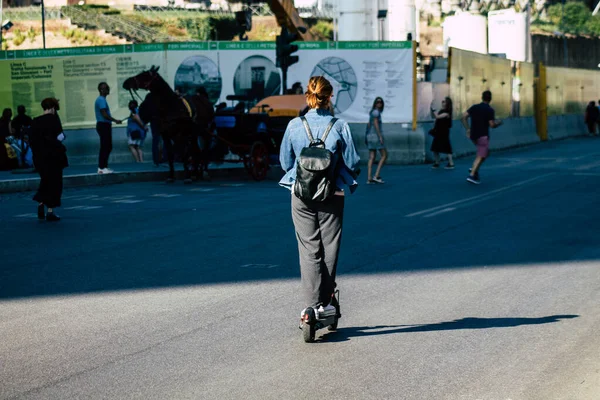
(324,312)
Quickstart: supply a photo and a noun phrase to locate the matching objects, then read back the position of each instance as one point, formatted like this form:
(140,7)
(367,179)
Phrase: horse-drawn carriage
(251,135)
(254,136)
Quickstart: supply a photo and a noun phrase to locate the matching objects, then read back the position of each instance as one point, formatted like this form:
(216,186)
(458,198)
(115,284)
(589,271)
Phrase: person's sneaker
(327,311)
(370,181)
(378,179)
(108,171)
(473,179)
(52,217)
(449,166)
(435,166)
(100,170)
(476,175)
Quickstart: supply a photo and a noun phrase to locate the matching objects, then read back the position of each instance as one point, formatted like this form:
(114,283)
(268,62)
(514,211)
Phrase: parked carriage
(253,136)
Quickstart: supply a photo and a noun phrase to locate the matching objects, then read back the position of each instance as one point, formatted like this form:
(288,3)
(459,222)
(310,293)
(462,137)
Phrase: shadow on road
(343,334)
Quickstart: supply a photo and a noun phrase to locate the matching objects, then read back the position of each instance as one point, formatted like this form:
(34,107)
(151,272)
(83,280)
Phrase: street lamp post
(43,24)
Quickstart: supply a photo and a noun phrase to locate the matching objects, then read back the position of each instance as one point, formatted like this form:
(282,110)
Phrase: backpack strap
(327,130)
(331,124)
(307,129)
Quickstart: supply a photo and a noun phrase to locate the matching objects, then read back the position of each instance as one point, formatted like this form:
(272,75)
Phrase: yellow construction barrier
(570,90)
(472,73)
(541,106)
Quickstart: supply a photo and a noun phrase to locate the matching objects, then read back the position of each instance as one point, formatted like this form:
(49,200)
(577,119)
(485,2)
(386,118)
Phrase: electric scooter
(311,321)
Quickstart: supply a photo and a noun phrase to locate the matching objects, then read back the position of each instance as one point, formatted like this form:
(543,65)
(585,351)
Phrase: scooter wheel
(308,333)
(333,327)
(308,326)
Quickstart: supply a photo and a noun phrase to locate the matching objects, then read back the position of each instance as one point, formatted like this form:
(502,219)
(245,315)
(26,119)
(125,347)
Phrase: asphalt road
(448,290)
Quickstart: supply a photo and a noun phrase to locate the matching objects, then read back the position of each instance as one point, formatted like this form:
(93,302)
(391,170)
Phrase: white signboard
(358,71)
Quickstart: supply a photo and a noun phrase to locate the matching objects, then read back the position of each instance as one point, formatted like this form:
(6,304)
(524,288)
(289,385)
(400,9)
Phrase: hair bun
(318,92)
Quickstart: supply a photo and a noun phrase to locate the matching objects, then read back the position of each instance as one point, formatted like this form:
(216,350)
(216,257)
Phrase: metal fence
(30,13)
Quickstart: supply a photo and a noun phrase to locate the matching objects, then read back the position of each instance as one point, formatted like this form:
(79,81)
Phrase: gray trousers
(319,233)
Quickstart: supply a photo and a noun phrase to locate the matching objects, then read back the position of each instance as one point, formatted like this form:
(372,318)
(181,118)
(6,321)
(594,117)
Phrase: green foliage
(19,38)
(31,34)
(593,25)
(323,30)
(574,18)
(209,27)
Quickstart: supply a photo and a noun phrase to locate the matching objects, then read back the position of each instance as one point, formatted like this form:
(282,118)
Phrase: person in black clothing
(22,120)
(441,139)
(205,120)
(49,157)
(158,156)
(591,117)
(482,119)
(5,124)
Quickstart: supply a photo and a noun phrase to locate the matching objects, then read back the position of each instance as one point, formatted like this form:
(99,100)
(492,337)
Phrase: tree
(575,18)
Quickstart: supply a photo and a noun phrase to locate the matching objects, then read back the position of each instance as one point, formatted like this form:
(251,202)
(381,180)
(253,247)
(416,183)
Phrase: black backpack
(315,172)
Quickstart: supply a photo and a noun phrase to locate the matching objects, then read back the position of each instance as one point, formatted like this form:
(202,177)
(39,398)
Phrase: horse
(176,117)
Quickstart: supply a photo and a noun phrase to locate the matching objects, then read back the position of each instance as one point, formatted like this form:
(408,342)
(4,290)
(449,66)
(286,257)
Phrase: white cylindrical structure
(508,34)
(357,20)
(401,20)
(466,31)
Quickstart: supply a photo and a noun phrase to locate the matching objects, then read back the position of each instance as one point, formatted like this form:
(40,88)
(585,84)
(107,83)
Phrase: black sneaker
(435,166)
(449,166)
(473,179)
(41,212)
(476,175)
(52,217)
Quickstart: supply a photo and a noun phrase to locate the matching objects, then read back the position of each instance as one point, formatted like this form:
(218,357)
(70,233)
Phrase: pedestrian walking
(5,125)
(104,122)
(441,134)
(49,157)
(318,224)
(591,117)
(21,122)
(374,141)
(136,132)
(482,117)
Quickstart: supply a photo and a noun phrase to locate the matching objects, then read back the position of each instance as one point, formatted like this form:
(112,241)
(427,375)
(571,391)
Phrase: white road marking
(232,184)
(588,166)
(82,208)
(478,197)
(81,197)
(259,266)
(31,215)
(111,198)
(586,173)
(127,201)
(201,190)
(165,195)
(445,210)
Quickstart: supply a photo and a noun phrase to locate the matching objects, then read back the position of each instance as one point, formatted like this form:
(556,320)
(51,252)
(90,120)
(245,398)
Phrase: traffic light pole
(284,51)
(284,79)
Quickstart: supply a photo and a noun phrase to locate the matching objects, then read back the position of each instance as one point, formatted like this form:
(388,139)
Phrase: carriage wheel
(259,161)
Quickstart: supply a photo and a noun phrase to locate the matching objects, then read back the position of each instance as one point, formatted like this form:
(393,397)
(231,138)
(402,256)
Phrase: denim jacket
(339,141)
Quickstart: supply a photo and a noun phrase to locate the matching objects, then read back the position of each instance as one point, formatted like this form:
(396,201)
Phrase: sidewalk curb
(69,181)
